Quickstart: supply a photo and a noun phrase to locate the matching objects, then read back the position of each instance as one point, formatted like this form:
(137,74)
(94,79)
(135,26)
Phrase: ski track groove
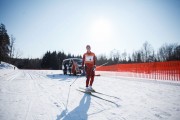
(31,100)
(50,96)
(41,88)
(7,81)
(38,89)
(8,73)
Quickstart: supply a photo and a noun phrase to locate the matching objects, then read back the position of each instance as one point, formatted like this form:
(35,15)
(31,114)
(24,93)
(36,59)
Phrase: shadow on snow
(78,113)
(61,77)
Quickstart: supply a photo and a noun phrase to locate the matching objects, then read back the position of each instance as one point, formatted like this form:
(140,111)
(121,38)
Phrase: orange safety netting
(154,70)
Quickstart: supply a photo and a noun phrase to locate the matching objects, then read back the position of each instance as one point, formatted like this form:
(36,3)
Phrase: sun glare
(101,30)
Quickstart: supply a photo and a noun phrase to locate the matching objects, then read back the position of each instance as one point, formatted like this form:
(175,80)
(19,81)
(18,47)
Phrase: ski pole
(70,91)
(74,81)
(102,65)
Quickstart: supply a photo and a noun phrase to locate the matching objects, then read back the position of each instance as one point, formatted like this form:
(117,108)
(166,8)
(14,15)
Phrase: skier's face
(88,48)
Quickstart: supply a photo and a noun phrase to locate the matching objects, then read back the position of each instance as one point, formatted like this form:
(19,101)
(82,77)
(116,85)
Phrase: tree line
(53,60)
(167,52)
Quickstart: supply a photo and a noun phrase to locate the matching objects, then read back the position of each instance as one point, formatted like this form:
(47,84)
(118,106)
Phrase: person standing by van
(89,60)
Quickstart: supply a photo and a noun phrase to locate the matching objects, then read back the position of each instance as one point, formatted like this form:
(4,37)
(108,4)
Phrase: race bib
(89,58)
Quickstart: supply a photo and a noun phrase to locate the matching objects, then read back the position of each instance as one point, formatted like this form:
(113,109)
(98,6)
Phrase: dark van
(72,66)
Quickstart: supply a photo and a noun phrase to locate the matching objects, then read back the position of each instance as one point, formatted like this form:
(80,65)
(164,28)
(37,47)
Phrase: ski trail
(41,97)
(32,100)
(32,103)
(7,80)
(29,109)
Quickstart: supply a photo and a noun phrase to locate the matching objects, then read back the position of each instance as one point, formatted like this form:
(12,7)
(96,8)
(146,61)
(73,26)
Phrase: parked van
(72,66)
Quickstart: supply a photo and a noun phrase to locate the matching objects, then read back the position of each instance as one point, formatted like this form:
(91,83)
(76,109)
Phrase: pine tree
(4,43)
(46,60)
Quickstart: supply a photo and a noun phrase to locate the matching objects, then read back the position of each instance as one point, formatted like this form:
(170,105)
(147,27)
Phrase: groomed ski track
(43,95)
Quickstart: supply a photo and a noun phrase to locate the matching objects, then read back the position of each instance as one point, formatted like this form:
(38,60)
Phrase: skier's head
(88,48)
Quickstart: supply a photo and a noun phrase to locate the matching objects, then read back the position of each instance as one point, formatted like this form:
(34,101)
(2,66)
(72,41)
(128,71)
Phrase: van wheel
(65,73)
(74,73)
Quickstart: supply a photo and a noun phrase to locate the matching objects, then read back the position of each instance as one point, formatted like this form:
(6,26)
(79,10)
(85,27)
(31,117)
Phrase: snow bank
(5,65)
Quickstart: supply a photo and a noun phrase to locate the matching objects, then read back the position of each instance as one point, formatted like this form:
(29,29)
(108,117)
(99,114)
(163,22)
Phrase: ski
(101,93)
(91,93)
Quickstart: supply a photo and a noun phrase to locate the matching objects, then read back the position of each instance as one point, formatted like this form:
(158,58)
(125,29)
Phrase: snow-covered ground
(47,95)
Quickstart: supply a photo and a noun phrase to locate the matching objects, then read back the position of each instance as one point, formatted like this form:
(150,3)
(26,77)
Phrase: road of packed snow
(47,95)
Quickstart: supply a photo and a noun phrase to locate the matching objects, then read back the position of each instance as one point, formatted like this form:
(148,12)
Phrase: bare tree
(12,48)
(18,53)
(136,56)
(115,56)
(124,56)
(177,53)
(168,52)
(147,52)
(162,53)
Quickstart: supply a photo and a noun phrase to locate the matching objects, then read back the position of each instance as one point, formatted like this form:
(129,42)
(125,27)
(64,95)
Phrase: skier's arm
(94,60)
(83,60)
(94,67)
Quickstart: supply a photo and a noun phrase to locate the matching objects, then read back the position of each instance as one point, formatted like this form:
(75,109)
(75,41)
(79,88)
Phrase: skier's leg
(87,80)
(92,80)
(87,76)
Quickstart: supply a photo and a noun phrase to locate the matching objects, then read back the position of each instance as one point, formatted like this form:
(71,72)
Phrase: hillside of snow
(47,95)
(4,65)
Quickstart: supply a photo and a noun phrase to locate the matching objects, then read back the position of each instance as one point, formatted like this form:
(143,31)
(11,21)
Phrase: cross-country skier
(89,61)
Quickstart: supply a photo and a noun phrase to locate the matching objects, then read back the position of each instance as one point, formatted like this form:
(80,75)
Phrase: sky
(39,26)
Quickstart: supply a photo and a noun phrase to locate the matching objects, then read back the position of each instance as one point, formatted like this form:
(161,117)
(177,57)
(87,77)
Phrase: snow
(5,65)
(47,95)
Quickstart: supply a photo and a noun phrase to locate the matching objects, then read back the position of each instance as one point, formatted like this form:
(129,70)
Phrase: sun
(101,34)
(101,30)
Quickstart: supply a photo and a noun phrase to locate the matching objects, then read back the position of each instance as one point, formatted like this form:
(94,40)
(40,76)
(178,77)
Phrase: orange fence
(154,70)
